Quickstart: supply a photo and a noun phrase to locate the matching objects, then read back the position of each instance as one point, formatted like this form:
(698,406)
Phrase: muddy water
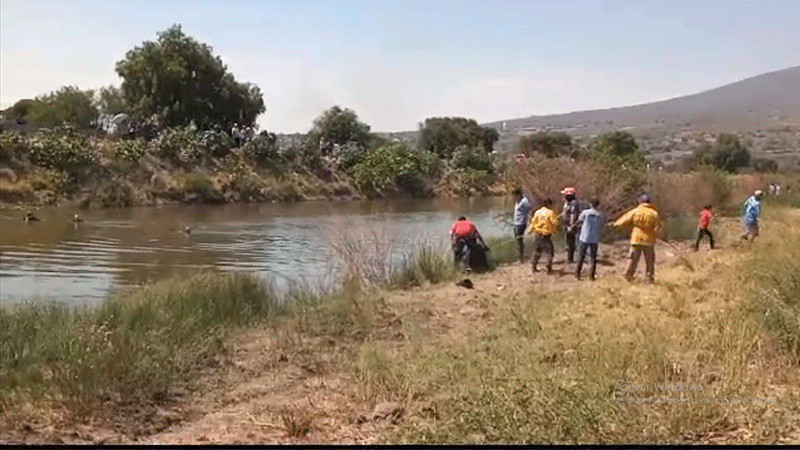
(113,249)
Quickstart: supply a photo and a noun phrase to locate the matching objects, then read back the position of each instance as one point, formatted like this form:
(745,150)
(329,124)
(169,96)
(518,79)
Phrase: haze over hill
(763,101)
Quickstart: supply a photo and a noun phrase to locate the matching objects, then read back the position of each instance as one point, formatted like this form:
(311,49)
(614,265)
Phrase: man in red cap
(569,220)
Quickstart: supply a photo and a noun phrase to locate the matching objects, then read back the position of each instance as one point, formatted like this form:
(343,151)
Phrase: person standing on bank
(569,218)
(522,214)
(543,224)
(646,229)
(751,212)
(702,227)
(591,221)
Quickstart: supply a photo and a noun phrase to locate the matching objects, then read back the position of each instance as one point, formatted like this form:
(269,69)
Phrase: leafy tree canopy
(181,82)
(442,135)
(551,145)
(66,106)
(727,154)
(111,101)
(335,128)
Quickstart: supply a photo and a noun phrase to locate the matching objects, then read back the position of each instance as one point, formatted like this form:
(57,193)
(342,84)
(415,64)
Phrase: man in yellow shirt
(646,229)
(543,224)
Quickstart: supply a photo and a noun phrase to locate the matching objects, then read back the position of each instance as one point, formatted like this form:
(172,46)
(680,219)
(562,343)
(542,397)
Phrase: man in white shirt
(522,213)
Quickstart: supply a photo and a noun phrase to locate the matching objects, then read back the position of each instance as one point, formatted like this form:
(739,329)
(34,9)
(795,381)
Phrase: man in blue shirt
(522,213)
(591,221)
(752,211)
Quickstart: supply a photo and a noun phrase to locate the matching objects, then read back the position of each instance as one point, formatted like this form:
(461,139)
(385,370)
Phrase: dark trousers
(461,250)
(582,256)
(700,233)
(649,261)
(570,237)
(519,234)
(543,243)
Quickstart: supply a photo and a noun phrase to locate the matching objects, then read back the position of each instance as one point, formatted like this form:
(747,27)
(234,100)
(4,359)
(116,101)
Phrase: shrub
(727,154)
(262,149)
(180,145)
(12,147)
(551,145)
(350,154)
(200,183)
(216,143)
(130,150)
(63,150)
(395,167)
(476,158)
(463,182)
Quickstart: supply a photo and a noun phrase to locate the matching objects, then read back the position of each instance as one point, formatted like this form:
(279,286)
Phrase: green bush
(476,158)
(64,150)
(12,146)
(180,145)
(464,182)
(130,150)
(262,149)
(395,167)
(199,183)
(350,154)
(216,143)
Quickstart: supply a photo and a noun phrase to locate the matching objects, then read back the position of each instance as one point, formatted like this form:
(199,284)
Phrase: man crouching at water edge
(646,229)
(543,224)
(464,237)
(522,213)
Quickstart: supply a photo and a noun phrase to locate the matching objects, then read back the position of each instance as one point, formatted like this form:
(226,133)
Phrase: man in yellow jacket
(646,229)
(543,224)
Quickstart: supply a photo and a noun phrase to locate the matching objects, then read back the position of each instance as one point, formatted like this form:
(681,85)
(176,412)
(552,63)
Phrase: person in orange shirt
(702,227)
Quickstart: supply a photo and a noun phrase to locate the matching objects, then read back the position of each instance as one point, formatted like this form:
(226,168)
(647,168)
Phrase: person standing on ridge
(522,214)
(569,218)
(751,213)
(646,229)
(702,227)
(591,222)
(543,224)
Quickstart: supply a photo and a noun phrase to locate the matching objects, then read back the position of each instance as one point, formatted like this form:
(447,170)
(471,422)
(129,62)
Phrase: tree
(617,144)
(111,101)
(181,82)
(335,128)
(66,106)
(727,154)
(19,111)
(551,145)
(442,135)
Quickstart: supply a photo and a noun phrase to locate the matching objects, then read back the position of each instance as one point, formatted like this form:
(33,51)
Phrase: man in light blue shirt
(522,213)
(591,221)
(752,211)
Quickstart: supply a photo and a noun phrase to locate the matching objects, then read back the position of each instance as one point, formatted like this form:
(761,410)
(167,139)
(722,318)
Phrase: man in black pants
(702,227)
(569,217)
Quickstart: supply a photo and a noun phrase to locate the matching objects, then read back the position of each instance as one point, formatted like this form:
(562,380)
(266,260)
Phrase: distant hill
(754,103)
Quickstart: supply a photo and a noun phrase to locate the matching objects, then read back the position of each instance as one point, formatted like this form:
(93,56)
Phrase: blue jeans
(582,256)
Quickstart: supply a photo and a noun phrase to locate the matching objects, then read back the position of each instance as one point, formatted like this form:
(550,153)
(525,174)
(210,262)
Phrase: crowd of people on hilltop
(582,228)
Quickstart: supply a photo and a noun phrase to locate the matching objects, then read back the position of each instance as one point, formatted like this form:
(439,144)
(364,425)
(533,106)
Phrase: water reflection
(117,248)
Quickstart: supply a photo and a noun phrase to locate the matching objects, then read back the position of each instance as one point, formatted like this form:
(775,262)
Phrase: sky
(397,62)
